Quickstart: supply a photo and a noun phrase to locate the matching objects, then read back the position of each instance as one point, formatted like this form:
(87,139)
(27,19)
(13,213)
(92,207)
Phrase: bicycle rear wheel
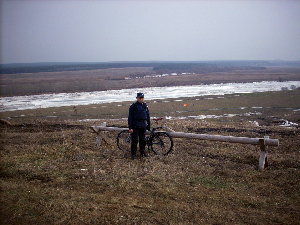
(124,141)
(161,143)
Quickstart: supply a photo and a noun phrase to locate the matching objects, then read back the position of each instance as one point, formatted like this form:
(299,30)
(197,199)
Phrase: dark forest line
(158,67)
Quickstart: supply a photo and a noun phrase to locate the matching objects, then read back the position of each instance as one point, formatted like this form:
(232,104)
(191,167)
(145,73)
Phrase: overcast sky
(121,30)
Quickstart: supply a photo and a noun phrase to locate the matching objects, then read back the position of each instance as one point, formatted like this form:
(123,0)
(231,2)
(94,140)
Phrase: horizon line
(155,61)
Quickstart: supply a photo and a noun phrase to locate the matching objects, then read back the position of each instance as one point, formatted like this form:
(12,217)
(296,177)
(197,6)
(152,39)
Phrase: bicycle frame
(157,140)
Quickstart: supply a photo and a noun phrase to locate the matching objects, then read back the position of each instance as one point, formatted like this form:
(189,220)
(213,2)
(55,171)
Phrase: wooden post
(263,159)
(99,137)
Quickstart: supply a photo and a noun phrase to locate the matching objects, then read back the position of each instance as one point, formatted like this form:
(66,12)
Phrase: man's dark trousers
(138,136)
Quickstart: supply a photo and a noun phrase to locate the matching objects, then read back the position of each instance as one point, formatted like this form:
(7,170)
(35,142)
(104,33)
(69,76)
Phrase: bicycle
(157,140)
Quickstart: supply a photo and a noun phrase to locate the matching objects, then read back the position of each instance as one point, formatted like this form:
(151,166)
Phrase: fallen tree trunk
(231,139)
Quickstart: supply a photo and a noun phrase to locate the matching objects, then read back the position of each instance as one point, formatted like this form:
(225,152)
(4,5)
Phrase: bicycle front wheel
(161,143)
(124,141)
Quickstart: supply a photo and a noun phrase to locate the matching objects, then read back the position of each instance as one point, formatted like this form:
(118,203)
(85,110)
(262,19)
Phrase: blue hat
(140,95)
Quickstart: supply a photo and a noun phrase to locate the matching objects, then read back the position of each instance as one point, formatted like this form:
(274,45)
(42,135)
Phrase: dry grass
(53,173)
(61,177)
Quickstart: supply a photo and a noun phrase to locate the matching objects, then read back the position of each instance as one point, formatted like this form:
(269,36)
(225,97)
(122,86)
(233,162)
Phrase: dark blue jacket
(139,116)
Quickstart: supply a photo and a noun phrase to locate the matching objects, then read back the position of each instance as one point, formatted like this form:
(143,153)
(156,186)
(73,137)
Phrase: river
(99,97)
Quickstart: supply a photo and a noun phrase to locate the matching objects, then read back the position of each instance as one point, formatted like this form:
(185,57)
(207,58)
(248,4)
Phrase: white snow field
(99,97)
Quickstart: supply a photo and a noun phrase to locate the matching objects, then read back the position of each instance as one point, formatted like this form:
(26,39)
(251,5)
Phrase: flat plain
(133,77)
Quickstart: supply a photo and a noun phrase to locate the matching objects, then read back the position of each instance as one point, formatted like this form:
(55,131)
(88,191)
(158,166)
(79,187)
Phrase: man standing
(138,123)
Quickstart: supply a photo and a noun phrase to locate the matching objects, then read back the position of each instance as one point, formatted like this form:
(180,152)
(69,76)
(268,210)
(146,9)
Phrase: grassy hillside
(53,173)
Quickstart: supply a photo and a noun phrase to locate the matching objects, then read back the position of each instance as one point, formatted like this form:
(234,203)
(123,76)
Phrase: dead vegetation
(53,173)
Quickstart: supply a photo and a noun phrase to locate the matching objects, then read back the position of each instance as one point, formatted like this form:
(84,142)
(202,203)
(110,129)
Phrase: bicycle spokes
(161,143)
(124,141)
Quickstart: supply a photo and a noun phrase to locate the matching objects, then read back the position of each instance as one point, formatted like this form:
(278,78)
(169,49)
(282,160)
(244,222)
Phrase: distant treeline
(158,67)
(58,67)
(199,68)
